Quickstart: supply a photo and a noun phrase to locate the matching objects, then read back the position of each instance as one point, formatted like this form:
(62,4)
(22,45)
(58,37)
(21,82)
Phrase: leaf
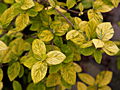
(13,71)
(38,71)
(53,80)
(100,6)
(1,74)
(52,3)
(21,71)
(68,73)
(103,78)
(27,4)
(105,31)
(77,67)
(3,46)
(86,78)
(45,35)
(21,22)
(58,41)
(110,48)
(1,85)
(98,56)
(92,88)
(39,49)
(105,88)
(81,86)
(38,7)
(3,7)
(70,3)
(115,2)
(98,43)
(16,85)
(55,57)
(9,1)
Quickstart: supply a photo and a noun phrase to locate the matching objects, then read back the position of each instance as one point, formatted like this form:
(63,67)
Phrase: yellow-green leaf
(104,88)
(115,2)
(77,67)
(53,80)
(110,48)
(81,86)
(1,74)
(103,78)
(39,49)
(52,3)
(86,78)
(16,85)
(27,4)
(70,3)
(98,56)
(21,22)
(105,31)
(9,1)
(68,73)
(92,88)
(13,71)
(100,6)
(3,46)
(38,71)
(1,85)
(98,43)
(45,35)
(38,6)
(55,57)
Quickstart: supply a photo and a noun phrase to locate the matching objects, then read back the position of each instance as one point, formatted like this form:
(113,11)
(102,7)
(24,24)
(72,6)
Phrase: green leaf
(110,48)
(53,80)
(58,41)
(103,78)
(86,78)
(68,73)
(105,31)
(16,85)
(39,49)
(3,46)
(21,71)
(13,71)
(27,4)
(70,3)
(3,7)
(98,56)
(21,22)
(52,3)
(55,57)
(38,71)
(1,74)
(81,86)
(98,43)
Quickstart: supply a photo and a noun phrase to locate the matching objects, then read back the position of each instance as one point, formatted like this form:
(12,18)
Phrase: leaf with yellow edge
(38,6)
(105,31)
(53,80)
(55,57)
(115,2)
(81,86)
(96,15)
(21,22)
(86,78)
(110,48)
(3,46)
(86,44)
(77,67)
(27,4)
(104,88)
(100,6)
(77,20)
(39,49)
(45,35)
(1,74)
(52,3)
(103,78)
(70,3)
(98,43)
(38,71)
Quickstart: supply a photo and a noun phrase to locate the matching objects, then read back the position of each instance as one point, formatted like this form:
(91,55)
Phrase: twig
(65,17)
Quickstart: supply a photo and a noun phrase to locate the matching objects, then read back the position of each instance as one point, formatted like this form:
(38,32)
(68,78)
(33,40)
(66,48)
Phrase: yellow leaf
(100,6)
(45,35)
(27,4)
(103,78)
(1,74)
(1,85)
(21,22)
(3,46)
(77,67)
(9,1)
(115,2)
(110,48)
(39,49)
(81,86)
(105,88)
(105,31)
(86,44)
(52,3)
(98,43)
(86,78)
(92,88)
(55,57)
(60,9)
(38,71)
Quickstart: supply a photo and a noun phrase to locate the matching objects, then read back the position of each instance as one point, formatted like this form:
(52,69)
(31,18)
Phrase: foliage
(42,39)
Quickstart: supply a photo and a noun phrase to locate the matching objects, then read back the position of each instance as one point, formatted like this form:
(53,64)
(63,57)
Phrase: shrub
(41,41)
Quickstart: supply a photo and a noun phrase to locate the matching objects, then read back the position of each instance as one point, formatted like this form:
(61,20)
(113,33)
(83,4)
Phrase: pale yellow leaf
(3,46)
(98,43)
